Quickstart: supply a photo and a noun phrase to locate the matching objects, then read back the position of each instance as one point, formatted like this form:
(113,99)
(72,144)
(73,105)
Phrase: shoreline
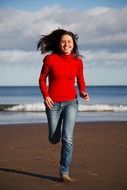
(28,161)
(28,124)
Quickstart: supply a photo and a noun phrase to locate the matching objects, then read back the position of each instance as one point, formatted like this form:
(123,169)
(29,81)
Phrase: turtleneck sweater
(62,72)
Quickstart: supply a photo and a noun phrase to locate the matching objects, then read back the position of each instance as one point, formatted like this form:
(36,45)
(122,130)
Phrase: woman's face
(66,44)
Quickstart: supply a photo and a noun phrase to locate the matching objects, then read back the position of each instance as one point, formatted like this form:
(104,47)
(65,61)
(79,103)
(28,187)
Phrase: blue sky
(71,4)
(102,29)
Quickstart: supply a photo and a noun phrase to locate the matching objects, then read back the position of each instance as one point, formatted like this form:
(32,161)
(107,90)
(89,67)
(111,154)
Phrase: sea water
(24,104)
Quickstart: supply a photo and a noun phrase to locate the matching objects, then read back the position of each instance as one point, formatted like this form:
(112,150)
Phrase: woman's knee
(54,140)
(68,141)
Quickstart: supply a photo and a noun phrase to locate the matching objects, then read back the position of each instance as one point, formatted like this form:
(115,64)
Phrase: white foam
(39,107)
(103,107)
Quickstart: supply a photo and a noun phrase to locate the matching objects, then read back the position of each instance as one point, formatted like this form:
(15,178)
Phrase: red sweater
(62,70)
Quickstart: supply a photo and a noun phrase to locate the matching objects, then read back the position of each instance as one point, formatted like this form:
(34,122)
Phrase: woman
(63,65)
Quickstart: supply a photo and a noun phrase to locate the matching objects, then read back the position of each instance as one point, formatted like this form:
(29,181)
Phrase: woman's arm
(81,82)
(43,76)
(42,83)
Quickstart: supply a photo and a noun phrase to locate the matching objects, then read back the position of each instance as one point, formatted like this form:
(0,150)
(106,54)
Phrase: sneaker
(65,178)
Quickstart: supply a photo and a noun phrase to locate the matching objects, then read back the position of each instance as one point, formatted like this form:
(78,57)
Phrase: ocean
(24,104)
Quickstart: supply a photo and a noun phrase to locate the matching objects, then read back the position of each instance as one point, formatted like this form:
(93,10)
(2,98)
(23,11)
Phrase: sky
(100,25)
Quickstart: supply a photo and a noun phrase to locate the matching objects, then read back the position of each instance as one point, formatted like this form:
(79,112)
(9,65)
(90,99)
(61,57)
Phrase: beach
(29,162)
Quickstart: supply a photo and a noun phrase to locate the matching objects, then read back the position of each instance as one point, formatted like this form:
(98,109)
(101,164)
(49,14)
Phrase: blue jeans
(61,121)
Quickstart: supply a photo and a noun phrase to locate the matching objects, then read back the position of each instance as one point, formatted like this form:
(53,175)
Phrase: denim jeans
(61,121)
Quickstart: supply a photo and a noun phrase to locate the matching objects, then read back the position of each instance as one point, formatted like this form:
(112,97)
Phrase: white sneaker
(65,178)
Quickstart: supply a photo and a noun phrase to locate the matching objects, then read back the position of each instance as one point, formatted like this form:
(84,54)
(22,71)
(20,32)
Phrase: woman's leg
(69,116)
(54,123)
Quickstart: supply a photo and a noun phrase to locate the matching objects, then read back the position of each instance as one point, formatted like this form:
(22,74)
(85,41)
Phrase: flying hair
(50,42)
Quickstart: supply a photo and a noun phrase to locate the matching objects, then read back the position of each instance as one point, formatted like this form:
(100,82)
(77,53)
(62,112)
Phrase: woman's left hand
(85,96)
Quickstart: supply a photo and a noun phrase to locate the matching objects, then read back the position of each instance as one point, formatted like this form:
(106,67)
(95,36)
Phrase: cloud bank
(102,33)
(99,28)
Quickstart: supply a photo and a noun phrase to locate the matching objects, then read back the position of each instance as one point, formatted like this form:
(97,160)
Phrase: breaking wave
(39,107)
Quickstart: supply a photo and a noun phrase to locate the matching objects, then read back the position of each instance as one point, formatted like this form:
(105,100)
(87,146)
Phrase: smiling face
(66,44)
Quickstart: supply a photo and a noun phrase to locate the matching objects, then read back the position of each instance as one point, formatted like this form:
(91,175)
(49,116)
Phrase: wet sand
(29,162)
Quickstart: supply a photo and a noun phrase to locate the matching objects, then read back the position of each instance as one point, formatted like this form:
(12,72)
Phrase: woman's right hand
(48,102)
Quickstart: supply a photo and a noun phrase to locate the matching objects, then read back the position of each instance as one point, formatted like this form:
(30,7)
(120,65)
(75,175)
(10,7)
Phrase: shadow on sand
(51,178)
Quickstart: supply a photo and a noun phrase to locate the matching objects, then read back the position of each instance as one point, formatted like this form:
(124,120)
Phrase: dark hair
(51,42)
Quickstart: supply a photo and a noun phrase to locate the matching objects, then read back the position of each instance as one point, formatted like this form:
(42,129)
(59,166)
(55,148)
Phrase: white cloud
(104,58)
(34,59)
(99,27)
(102,40)
(102,32)
(98,11)
(19,57)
